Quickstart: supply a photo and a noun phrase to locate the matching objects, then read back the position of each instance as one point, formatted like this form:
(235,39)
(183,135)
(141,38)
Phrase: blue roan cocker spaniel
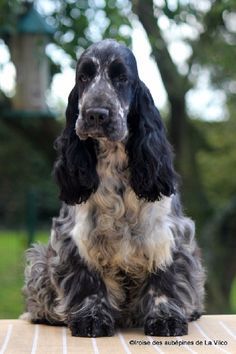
(121,253)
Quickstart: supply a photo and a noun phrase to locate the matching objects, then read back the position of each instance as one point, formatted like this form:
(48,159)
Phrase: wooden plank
(20,337)
(77,345)
(5,335)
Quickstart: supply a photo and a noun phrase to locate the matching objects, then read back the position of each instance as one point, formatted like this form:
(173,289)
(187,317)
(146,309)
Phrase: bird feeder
(27,46)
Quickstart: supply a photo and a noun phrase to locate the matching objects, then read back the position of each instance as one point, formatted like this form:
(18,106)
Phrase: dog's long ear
(150,157)
(75,168)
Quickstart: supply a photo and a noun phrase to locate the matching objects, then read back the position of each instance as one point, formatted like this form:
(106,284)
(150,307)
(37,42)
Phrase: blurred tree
(80,23)
(211,47)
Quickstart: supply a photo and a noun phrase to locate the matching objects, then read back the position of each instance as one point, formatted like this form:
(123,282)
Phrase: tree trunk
(175,84)
(181,130)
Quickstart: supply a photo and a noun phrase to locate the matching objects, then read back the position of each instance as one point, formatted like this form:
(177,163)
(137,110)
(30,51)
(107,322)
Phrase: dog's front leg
(164,313)
(84,303)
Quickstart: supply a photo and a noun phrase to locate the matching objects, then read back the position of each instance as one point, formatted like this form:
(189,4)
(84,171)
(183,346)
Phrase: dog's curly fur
(121,253)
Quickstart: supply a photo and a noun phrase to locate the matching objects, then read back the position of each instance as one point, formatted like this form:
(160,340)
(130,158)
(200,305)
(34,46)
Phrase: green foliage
(79,23)
(9,10)
(215,49)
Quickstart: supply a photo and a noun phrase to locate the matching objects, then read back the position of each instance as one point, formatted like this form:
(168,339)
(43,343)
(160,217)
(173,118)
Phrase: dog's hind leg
(40,295)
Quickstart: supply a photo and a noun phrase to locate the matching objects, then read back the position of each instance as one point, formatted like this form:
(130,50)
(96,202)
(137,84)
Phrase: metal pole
(31,215)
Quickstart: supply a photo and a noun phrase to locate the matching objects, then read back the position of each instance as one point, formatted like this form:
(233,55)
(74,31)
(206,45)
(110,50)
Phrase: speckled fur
(121,252)
(124,240)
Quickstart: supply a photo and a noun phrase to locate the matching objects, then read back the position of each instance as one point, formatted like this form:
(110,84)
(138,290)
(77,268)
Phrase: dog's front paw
(165,326)
(91,326)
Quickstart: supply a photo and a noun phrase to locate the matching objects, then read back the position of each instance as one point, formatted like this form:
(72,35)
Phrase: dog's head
(106,78)
(110,101)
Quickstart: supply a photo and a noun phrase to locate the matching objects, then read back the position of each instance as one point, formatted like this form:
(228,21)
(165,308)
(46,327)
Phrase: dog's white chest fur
(115,230)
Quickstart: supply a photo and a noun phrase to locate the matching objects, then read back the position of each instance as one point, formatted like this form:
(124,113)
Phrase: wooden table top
(211,334)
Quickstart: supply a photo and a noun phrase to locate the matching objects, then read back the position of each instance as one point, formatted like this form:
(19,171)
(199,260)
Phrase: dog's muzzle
(93,122)
(96,117)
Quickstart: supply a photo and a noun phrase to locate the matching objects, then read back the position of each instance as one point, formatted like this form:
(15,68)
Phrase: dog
(121,253)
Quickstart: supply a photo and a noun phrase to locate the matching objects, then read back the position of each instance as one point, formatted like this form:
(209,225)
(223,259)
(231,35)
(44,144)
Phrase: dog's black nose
(96,116)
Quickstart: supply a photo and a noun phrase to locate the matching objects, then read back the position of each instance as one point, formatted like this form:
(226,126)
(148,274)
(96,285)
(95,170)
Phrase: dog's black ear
(75,168)
(150,156)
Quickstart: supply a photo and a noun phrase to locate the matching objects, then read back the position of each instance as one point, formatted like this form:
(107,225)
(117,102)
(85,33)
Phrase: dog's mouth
(113,132)
(116,137)
(92,134)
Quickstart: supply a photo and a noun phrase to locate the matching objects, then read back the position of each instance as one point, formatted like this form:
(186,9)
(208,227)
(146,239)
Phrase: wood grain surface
(210,334)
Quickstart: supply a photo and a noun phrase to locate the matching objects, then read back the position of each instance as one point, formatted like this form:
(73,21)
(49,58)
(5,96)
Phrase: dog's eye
(86,71)
(83,77)
(117,72)
(122,78)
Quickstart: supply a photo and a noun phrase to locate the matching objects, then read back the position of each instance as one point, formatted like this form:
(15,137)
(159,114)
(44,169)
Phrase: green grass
(12,247)
(233,296)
